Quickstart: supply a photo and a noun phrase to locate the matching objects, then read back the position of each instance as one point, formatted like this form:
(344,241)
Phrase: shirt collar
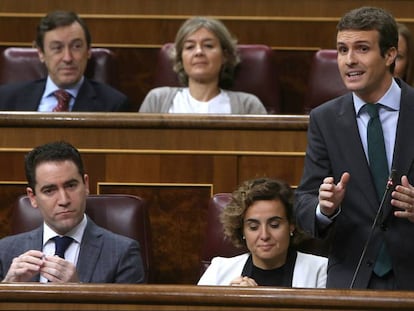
(51,87)
(391,98)
(76,233)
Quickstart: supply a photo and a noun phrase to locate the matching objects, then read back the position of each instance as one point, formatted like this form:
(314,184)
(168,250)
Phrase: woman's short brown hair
(227,42)
(250,191)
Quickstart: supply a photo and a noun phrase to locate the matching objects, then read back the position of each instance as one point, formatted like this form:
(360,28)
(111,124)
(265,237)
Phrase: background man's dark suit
(93,96)
(334,147)
(104,257)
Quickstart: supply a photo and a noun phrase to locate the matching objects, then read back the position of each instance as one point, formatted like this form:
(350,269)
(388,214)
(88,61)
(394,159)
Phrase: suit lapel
(353,152)
(90,251)
(34,241)
(403,159)
(31,96)
(86,98)
(404,146)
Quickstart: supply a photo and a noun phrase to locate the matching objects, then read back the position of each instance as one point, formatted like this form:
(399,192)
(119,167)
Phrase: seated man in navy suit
(58,187)
(63,42)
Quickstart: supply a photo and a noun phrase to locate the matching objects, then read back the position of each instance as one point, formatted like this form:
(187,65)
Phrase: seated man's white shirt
(184,103)
(72,253)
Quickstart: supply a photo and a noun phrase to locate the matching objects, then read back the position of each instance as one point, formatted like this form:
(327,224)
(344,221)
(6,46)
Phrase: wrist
(334,214)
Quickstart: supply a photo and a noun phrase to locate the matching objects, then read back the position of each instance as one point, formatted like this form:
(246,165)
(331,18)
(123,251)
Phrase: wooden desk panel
(175,162)
(181,297)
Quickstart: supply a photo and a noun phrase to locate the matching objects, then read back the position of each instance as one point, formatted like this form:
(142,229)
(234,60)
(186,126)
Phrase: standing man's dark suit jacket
(334,147)
(93,96)
(104,257)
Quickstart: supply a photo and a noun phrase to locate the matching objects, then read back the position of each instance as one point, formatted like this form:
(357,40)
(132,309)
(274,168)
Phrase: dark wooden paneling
(138,32)
(286,168)
(177,217)
(314,8)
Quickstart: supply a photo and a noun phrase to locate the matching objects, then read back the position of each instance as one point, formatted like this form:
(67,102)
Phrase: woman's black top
(281,276)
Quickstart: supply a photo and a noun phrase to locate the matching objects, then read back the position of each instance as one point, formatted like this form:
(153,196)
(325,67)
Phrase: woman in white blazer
(260,217)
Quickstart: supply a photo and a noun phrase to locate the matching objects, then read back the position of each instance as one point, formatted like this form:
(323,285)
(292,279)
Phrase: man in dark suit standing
(63,42)
(340,194)
(58,187)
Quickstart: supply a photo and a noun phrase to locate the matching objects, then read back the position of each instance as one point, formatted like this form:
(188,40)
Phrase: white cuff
(326,220)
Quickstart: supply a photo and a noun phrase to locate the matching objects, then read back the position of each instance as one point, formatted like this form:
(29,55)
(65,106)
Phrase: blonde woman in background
(204,58)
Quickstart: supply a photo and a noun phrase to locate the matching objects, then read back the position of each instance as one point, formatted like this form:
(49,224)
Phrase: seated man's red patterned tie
(63,98)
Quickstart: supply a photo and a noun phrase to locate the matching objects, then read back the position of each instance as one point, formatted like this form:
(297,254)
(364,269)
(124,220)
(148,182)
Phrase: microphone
(388,188)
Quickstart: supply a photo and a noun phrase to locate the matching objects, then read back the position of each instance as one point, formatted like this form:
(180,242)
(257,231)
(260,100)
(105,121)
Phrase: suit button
(370,263)
(383,227)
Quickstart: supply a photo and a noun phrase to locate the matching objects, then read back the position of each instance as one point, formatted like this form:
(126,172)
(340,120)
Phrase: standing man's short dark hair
(344,179)
(371,18)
